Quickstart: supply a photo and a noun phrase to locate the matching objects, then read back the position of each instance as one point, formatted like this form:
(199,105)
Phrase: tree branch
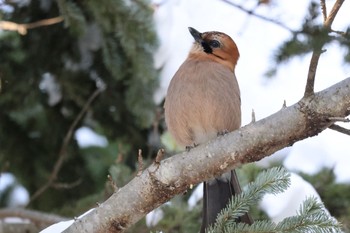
(309,90)
(23,28)
(160,182)
(340,129)
(251,12)
(63,150)
(310,82)
(324,9)
(40,219)
(328,22)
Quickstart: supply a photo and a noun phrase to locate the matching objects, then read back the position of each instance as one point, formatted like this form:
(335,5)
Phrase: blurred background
(82,85)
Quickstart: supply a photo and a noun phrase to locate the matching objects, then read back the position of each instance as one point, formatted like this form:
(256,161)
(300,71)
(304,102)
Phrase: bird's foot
(188,148)
(223,132)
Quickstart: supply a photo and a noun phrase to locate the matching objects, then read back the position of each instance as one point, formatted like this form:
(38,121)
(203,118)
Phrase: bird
(202,102)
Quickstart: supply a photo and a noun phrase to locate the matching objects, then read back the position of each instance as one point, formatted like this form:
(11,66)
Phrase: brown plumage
(203,100)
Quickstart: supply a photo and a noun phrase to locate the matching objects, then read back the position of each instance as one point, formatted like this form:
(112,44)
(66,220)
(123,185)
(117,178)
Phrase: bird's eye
(214,43)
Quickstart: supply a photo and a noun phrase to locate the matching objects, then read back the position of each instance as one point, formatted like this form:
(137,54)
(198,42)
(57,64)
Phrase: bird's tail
(217,193)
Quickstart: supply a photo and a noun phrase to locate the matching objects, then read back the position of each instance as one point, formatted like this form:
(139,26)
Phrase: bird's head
(216,46)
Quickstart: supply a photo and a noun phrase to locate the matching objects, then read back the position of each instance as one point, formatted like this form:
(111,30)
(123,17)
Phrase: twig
(324,9)
(284,105)
(341,33)
(309,89)
(310,83)
(341,119)
(66,185)
(23,28)
(250,12)
(140,161)
(63,151)
(340,129)
(112,183)
(159,156)
(253,116)
(38,218)
(328,22)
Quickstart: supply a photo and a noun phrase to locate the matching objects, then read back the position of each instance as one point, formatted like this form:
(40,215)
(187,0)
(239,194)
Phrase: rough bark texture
(160,182)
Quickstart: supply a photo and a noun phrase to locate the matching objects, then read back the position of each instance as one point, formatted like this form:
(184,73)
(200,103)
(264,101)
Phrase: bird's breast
(203,99)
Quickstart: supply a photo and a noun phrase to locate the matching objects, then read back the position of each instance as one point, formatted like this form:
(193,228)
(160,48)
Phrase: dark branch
(63,151)
(310,83)
(324,9)
(340,129)
(36,217)
(251,12)
(309,89)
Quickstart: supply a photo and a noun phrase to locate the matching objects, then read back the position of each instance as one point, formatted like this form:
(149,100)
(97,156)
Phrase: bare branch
(63,151)
(253,116)
(66,185)
(310,83)
(324,9)
(159,156)
(251,12)
(340,129)
(284,105)
(341,119)
(329,21)
(23,28)
(309,89)
(140,161)
(159,183)
(112,183)
(38,218)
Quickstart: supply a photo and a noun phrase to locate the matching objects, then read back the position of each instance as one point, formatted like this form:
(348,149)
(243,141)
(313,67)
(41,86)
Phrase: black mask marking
(206,47)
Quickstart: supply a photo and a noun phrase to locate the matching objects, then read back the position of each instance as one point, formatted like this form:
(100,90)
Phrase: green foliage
(336,197)
(312,216)
(274,181)
(100,45)
(311,36)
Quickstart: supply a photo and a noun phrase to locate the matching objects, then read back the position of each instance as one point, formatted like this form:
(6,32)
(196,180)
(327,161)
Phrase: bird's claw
(188,148)
(223,132)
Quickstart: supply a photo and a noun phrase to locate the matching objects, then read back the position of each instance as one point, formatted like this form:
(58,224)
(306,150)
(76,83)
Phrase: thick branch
(160,182)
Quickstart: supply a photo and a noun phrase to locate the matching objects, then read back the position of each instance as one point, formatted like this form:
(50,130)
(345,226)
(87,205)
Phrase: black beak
(196,35)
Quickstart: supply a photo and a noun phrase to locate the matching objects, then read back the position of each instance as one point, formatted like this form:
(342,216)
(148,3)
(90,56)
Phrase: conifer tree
(96,60)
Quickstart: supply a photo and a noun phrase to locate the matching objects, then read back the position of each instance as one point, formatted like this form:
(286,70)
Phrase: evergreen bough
(311,218)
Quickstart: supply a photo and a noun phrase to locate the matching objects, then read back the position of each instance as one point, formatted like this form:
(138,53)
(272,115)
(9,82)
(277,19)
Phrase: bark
(162,181)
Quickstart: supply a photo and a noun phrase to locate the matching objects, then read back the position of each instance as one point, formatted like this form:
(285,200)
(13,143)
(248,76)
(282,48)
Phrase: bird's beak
(196,34)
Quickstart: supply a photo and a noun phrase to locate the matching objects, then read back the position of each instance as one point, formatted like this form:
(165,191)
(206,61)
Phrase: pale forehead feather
(215,35)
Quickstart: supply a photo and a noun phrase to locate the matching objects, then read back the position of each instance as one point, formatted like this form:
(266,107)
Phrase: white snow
(286,204)
(61,226)
(19,195)
(86,137)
